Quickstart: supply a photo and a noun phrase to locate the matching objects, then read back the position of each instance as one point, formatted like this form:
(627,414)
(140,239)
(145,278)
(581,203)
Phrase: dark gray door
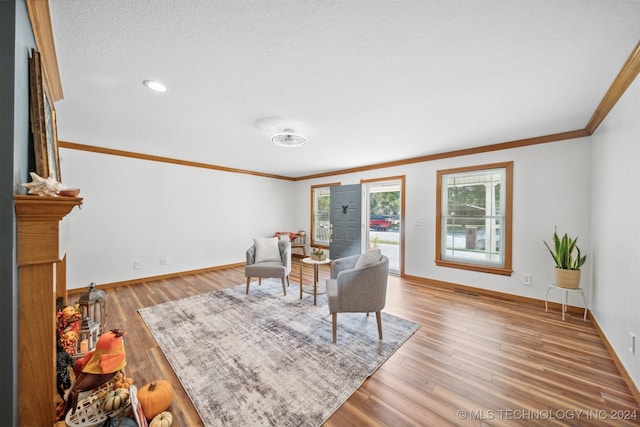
(344,217)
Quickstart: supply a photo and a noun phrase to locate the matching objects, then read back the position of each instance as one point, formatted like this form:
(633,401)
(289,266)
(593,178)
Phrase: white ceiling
(366,81)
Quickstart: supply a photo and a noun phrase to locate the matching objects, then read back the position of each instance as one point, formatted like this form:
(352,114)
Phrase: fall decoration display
(116,399)
(64,370)
(163,419)
(155,397)
(69,311)
(109,355)
(120,381)
(98,366)
(68,322)
(90,411)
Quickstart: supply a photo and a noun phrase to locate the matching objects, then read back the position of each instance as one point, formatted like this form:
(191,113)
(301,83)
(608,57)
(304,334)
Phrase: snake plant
(563,253)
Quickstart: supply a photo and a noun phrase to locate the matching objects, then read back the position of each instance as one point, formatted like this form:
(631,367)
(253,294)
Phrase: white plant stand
(565,294)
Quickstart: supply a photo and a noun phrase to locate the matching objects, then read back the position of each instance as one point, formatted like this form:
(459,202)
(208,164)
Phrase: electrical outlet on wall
(526,279)
(137,265)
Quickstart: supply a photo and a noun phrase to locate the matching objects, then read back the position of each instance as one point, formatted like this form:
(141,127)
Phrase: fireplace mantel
(40,259)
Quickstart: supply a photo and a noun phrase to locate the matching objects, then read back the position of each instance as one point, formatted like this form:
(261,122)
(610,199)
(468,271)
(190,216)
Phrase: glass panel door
(384,219)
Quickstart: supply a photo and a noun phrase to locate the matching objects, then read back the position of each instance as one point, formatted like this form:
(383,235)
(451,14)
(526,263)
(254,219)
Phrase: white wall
(539,204)
(615,214)
(144,211)
(139,210)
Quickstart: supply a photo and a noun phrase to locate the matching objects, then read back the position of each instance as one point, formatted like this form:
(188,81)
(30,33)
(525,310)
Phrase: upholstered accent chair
(358,284)
(298,245)
(268,257)
(298,242)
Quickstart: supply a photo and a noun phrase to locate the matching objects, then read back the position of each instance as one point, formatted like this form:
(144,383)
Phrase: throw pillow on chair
(267,249)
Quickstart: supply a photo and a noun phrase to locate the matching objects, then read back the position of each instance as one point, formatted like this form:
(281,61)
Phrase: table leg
(315,282)
(301,264)
(546,297)
(584,317)
(564,302)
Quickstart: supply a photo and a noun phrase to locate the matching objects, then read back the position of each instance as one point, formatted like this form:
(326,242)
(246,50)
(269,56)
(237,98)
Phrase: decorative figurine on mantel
(40,186)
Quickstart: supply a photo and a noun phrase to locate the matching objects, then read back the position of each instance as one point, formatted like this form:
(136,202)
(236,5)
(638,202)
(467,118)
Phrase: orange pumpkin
(155,397)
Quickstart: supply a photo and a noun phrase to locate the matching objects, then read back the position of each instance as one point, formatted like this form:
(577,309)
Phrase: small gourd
(163,419)
(155,397)
(123,382)
(116,399)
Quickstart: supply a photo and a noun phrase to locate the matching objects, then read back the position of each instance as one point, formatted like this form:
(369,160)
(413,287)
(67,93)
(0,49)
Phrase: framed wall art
(43,121)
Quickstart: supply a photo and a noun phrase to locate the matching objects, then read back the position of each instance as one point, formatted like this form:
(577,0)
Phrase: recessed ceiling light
(288,138)
(155,85)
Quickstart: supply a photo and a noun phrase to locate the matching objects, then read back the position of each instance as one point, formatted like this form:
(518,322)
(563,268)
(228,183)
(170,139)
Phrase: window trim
(313,214)
(506,232)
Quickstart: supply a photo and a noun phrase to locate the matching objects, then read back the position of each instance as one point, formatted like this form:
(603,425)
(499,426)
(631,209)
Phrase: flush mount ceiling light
(155,85)
(288,138)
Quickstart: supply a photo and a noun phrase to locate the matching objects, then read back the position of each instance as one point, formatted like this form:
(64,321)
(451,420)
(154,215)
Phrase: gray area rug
(267,359)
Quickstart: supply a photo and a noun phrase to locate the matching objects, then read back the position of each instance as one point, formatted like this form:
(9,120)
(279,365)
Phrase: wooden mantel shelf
(38,235)
(38,226)
(44,206)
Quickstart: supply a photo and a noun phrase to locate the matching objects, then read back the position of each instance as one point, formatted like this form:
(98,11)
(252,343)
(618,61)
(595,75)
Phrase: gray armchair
(270,268)
(358,284)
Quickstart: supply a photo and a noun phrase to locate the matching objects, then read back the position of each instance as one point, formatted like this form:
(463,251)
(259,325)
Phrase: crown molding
(621,83)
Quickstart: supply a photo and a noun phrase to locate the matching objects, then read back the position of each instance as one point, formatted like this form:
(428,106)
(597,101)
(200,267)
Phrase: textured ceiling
(365,81)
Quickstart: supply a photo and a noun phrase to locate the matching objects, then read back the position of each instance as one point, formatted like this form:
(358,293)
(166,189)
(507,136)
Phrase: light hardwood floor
(476,360)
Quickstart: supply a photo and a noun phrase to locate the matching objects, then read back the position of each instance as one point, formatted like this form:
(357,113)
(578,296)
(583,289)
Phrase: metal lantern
(88,336)
(93,304)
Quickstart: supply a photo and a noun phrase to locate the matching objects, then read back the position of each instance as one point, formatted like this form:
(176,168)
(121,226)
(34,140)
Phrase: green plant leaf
(564,250)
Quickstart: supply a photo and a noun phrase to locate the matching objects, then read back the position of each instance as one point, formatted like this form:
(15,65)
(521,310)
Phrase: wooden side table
(314,289)
(565,294)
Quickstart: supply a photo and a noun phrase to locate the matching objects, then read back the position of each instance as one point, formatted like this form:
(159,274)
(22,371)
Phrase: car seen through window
(380,222)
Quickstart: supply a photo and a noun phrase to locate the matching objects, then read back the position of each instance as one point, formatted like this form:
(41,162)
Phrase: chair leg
(248,280)
(334,321)
(259,281)
(284,288)
(379,320)
(288,281)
